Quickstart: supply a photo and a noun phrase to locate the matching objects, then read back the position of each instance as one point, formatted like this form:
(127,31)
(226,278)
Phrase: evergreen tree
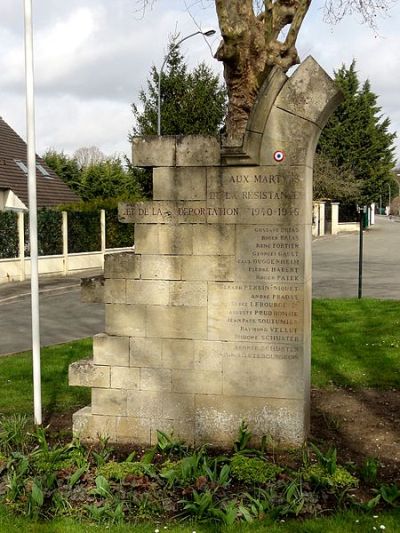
(109,177)
(357,137)
(191,102)
(65,167)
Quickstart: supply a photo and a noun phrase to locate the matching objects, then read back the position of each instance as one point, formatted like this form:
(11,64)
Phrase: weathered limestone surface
(209,321)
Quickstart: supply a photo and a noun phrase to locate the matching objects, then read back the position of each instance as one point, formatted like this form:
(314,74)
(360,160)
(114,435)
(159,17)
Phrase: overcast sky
(92,57)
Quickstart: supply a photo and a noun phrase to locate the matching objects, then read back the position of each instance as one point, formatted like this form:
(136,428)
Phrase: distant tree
(191,102)
(334,183)
(65,167)
(88,155)
(108,179)
(357,136)
(103,178)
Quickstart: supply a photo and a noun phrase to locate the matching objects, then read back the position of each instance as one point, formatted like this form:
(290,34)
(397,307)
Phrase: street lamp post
(207,33)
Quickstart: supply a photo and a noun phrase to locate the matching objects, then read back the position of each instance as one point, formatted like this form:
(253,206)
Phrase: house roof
(51,190)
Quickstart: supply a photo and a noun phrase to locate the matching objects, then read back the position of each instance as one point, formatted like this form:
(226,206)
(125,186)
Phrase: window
(21,165)
(43,171)
(39,167)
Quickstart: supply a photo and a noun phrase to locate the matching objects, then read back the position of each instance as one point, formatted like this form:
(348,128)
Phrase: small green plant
(369,470)
(327,460)
(103,452)
(243,438)
(108,513)
(13,434)
(185,470)
(168,444)
(253,469)
(390,494)
(321,477)
(203,507)
(119,471)
(102,488)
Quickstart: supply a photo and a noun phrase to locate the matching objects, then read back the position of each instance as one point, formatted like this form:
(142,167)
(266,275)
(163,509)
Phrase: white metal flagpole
(30,121)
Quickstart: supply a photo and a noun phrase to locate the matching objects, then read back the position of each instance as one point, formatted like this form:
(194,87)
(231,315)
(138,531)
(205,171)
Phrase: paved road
(335,263)
(335,274)
(62,316)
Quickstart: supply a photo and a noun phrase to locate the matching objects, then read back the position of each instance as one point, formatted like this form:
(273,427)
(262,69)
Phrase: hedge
(8,235)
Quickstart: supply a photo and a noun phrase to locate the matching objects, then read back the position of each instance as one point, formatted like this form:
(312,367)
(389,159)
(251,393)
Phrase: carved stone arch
(289,114)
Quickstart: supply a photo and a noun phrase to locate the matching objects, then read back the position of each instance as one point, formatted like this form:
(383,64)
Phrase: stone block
(146,239)
(178,406)
(176,322)
(108,350)
(188,293)
(293,135)
(163,212)
(264,378)
(197,150)
(219,417)
(132,430)
(206,356)
(92,290)
(151,292)
(310,93)
(197,381)
(145,352)
(125,378)
(166,267)
(155,379)
(265,100)
(213,239)
(181,430)
(175,239)
(125,320)
(81,422)
(115,291)
(188,183)
(208,268)
(122,265)
(154,151)
(85,373)
(109,402)
(89,427)
(145,404)
(177,353)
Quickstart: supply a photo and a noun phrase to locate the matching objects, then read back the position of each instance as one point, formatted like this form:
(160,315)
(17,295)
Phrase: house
(51,190)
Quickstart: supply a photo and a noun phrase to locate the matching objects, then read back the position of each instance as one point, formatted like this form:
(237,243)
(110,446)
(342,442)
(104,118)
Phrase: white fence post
(65,241)
(21,244)
(321,219)
(335,218)
(372,211)
(103,233)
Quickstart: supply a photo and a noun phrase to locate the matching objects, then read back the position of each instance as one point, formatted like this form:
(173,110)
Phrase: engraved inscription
(255,195)
(269,253)
(255,312)
(247,350)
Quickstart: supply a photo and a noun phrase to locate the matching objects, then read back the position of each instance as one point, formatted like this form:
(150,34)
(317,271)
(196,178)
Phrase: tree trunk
(250,48)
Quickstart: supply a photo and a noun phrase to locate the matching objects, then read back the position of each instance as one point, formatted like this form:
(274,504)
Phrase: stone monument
(208,322)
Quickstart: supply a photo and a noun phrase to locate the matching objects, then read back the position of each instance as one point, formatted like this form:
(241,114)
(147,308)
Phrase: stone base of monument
(208,323)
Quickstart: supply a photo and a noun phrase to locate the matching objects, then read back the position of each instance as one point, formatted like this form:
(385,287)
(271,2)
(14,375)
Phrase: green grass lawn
(356,343)
(57,396)
(346,522)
